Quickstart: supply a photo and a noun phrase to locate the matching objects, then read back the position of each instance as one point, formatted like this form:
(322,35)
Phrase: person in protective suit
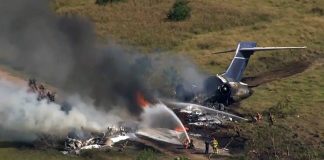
(191,145)
(214,145)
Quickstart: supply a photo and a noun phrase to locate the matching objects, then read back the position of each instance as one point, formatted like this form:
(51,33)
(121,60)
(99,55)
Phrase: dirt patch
(265,77)
(6,75)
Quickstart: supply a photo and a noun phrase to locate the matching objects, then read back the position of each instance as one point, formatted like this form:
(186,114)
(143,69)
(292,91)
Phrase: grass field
(217,25)
(29,154)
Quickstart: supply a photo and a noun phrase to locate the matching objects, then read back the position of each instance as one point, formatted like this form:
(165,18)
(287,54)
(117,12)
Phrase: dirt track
(4,74)
(289,70)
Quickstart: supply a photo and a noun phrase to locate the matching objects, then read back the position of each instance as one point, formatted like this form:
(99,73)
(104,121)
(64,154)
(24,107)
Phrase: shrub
(104,2)
(318,11)
(147,154)
(180,11)
(283,108)
(181,158)
(275,142)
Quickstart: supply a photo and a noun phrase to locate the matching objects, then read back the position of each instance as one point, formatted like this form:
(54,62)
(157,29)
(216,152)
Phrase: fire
(141,101)
(181,129)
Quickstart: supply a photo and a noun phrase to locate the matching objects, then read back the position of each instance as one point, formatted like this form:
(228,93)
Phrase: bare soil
(265,77)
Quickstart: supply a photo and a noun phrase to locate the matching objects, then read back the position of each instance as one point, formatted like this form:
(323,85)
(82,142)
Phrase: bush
(283,108)
(180,11)
(104,2)
(147,154)
(318,11)
(275,142)
(181,158)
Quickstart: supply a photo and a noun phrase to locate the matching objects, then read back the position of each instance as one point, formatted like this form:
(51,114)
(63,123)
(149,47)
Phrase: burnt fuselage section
(215,90)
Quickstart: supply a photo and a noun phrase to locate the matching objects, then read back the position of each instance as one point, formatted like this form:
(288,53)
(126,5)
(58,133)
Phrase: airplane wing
(191,106)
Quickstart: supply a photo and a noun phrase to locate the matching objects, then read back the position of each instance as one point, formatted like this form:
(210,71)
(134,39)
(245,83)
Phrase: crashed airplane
(226,88)
(204,106)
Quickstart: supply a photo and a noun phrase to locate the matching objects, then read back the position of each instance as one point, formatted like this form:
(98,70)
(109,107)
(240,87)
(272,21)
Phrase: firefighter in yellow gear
(214,145)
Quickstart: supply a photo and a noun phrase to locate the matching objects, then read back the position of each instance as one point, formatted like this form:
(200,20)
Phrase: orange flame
(141,101)
(181,129)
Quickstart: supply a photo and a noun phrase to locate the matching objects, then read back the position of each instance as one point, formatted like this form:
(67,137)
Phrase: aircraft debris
(201,116)
(42,92)
(101,141)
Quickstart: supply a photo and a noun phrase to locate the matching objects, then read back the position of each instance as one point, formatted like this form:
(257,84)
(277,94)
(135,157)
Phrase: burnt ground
(286,71)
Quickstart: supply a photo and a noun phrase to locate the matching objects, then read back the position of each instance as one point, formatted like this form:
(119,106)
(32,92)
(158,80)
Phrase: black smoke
(63,52)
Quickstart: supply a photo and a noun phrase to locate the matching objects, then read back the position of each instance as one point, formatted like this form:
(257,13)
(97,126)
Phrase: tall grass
(144,24)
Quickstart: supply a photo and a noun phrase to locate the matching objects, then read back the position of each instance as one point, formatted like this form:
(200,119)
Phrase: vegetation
(104,2)
(275,142)
(147,154)
(181,158)
(283,108)
(180,11)
(317,10)
(9,151)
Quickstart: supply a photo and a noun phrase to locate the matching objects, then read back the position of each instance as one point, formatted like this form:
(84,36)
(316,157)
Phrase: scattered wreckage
(41,91)
(193,115)
(201,116)
(113,135)
(74,143)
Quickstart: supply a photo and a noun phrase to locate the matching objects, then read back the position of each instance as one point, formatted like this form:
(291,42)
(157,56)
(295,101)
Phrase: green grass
(29,154)
(8,153)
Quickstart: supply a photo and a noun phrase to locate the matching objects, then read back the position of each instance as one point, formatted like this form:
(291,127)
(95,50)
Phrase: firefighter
(191,145)
(215,145)
(186,144)
(237,130)
(258,117)
(271,118)
(207,142)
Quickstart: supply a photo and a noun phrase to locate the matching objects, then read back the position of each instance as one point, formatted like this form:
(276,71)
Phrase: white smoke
(160,116)
(23,117)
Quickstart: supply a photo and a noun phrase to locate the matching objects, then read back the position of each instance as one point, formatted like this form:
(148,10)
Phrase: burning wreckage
(148,128)
(193,115)
(74,143)
(202,116)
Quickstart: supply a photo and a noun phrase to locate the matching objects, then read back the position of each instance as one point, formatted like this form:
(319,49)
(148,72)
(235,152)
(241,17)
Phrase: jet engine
(215,90)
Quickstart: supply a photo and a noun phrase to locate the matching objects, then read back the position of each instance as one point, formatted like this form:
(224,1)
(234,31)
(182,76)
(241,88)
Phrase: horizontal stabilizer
(242,55)
(260,49)
(270,48)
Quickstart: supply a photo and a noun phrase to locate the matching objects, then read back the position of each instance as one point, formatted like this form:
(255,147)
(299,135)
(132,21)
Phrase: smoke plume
(63,52)
(23,117)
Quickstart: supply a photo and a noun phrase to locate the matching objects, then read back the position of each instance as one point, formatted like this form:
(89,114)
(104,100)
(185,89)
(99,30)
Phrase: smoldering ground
(63,52)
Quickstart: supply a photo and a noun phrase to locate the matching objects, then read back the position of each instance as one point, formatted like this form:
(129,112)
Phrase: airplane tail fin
(242,55)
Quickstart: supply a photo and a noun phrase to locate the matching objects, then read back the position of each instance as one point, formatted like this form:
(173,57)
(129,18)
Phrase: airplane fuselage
(216,90)
(226,88)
